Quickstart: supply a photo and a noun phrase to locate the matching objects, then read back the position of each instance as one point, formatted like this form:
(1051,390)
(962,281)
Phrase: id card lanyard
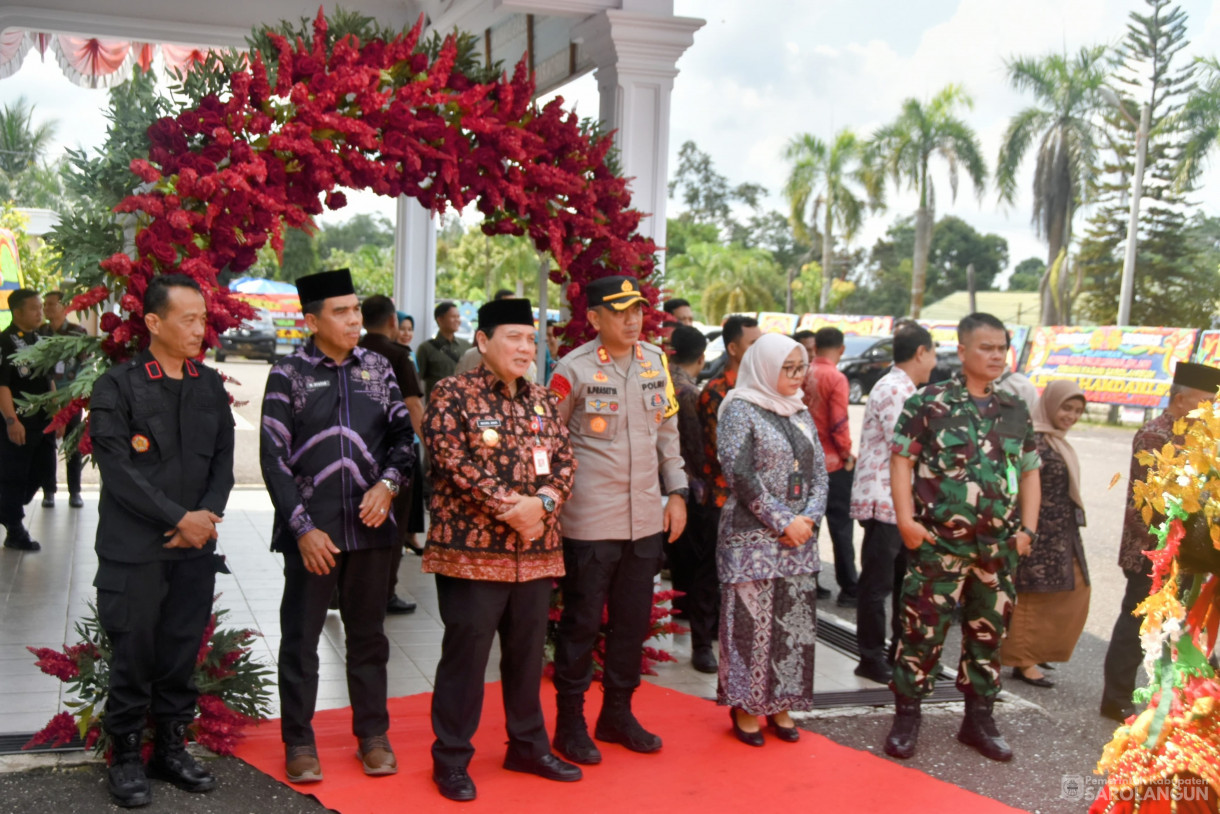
(542,457)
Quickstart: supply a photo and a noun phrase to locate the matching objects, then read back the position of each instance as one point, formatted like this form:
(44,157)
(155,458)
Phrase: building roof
(1010,307)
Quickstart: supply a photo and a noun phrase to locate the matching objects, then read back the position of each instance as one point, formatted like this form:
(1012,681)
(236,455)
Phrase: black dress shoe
(20,539)
(748,738)
(1045,665)
(399,606)
(48,502)
(1116,712)
(454,784)
(874,670)
(846,600)
(789,734)
(548,766)
(823,593)
(704,660)
(1040,681)
(76,501)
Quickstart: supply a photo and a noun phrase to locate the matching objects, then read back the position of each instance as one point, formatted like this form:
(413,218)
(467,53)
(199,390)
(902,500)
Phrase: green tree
(372,268)
(26,176)
(707,195)
(725,279)
(1200,121)
(1064,122)
(354,234)
(478,265)
(39,262)
(1028,274)
(904,149)
(1169,276)
(682,233)
(823,181)
(956,245)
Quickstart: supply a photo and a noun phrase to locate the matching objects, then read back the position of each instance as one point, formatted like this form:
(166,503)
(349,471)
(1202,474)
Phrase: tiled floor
(42,594)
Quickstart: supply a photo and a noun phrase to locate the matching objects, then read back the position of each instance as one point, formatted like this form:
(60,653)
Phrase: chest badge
(491,438)
(650,374)
(539,409)
(140,443)
(658,416)
(364,374)
(597,424)
(657,400)
(598,376)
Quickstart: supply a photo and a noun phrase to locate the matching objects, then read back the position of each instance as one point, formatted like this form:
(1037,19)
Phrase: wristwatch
(548,503)
(1033,535)
(683,493)
(392,485)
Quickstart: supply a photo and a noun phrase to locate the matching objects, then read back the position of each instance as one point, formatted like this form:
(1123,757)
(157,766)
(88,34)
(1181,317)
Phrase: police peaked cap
(619,293)
(1197,377)
(513,311)
(324,285)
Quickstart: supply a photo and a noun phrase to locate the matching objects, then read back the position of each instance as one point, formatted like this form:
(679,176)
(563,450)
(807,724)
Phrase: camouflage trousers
(936,582)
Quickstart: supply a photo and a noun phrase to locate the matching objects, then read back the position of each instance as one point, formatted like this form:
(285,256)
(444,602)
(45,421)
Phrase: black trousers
(883,566)
(23,469)
(473,613)
(155,614)
(692,563)
(613,574)
(363,578)
(839,525)
(1124,655)
(72,465)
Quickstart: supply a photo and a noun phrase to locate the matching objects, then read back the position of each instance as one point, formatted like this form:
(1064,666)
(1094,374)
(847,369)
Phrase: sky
(759,73)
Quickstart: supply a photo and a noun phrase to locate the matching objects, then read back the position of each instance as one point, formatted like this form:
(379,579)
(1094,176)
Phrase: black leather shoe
(748,738)
(454,784)
(572,733)
(76,501)
(823,593)
(788,734)
(48,502)
(617,724)
(1046,665)
(399,606)
(172,763)
(904,733)
(1040,681)
(20,539)
(874,670)
(846,600)
(125,779)
(704,660)
(1117,712)
(547,766)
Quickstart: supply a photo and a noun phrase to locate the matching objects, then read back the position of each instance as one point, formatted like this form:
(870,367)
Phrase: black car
(948,363)
(254,339)
(865,360)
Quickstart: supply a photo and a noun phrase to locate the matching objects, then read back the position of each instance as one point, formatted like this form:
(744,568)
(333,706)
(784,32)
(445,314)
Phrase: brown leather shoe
(301,764)
(377,756)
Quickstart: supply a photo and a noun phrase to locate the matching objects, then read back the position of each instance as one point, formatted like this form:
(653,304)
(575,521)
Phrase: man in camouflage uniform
(971,450)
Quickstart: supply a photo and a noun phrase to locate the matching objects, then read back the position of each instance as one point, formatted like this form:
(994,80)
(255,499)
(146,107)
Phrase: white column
(636,56)
(415,265)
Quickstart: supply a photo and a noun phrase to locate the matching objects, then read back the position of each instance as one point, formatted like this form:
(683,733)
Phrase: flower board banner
(1208,352)
(1132,367)
(10,273)
(775,323)
(847,323)
(944,332)
(285,310)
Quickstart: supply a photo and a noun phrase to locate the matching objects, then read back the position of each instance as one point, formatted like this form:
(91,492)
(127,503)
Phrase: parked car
(254,339)
(714,357)
(947,364)
(865,360)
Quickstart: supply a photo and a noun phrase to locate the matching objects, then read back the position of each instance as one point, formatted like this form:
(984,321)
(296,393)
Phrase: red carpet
(702,767)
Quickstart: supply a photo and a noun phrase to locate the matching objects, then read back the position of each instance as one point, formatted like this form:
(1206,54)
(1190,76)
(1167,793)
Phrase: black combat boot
(125,778)
(17,537)
(900,743)
(979,730)
(572,733)
(171,762)
(616,724)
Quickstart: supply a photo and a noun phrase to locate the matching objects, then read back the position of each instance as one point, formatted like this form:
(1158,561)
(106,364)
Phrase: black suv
(865,360)
(254,339)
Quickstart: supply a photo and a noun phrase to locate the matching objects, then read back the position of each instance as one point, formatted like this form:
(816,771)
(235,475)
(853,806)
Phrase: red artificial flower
(59,730)
(55,663)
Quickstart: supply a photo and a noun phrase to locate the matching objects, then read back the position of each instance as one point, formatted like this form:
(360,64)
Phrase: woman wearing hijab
(767,554)
(1053,579)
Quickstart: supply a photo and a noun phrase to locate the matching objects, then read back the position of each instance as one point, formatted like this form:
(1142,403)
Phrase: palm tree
(1200,119)
(904,148)
(821,181)
(24,173)
(1067,129)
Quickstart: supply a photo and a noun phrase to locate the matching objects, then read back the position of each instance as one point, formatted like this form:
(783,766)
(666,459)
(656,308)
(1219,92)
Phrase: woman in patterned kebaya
(767,555)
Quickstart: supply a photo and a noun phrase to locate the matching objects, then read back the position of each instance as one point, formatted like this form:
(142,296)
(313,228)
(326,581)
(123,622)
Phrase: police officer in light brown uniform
(617,399)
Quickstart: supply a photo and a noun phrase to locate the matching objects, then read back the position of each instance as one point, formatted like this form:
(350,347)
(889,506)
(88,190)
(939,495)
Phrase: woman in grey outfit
(767,555)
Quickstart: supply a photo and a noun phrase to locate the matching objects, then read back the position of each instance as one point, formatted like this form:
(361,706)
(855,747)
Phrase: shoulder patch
(560,387)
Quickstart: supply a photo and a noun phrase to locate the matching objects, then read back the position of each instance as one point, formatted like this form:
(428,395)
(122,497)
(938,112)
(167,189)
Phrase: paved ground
(1055,733)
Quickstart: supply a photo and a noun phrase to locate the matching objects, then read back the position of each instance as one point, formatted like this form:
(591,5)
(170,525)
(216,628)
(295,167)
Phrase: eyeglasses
(795,371)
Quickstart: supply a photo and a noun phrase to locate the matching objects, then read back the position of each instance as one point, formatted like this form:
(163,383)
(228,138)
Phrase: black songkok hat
(324,285)
(511,311)
(1197,377)
(618,293)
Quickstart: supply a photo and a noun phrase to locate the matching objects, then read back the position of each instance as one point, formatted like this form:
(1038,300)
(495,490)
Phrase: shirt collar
(309,351)
(492,382)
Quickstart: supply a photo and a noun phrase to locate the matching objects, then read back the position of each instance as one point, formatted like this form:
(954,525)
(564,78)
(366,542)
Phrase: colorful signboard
(945,333)
(847,323)
(10,272)
(770,322)
(1132,367)
(1208,352)
(285,310)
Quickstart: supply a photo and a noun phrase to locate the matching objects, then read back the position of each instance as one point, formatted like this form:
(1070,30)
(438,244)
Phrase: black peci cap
(1197,377)
(513,311)
(324,285)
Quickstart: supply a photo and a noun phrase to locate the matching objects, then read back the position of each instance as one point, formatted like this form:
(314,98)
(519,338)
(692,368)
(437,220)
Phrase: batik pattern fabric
(709,416)
(768,632)
(871,498)
(1136,537)
(481,440)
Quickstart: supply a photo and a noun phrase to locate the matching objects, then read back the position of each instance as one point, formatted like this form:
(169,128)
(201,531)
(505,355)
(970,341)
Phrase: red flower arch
(225,177)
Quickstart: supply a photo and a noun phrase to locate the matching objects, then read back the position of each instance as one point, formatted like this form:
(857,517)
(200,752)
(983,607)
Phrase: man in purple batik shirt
(336,448)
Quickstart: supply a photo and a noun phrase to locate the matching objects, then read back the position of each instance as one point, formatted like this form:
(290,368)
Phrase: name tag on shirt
(317,384)
(542,461)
